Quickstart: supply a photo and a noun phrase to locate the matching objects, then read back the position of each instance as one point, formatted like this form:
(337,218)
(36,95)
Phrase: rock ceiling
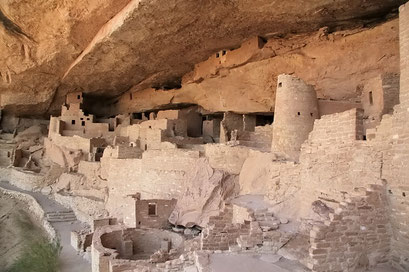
(105,47)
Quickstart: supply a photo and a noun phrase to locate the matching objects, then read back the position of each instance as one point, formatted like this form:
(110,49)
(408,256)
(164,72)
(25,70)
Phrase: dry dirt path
(69,260)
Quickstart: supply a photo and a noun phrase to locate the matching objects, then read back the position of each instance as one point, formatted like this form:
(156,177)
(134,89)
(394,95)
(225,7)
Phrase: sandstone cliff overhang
(105,49)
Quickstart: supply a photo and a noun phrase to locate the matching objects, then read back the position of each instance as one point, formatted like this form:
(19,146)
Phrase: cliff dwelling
(203,136)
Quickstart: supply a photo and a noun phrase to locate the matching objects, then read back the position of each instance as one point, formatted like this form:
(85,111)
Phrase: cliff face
(31,68)
(338,65)
(107,47)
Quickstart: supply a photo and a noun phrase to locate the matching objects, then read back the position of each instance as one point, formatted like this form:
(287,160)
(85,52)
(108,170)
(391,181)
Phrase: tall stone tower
(296,108)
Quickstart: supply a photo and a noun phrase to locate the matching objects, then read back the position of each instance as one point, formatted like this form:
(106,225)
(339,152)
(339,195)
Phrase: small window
(298,113)
(8,154)
(73,122)
(312,114)
(152,209)
(370,98)
(280,84)
(146,147)
(217,55)
(82,118)
(78,97)
(223,52)
(130,96)
(88,119)
(390,191)
(403,194)
(83,123)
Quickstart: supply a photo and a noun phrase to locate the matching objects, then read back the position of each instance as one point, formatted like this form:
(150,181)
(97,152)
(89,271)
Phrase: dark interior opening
(173,84)
(262,120)
(137,115)
(73,122)
(152,209)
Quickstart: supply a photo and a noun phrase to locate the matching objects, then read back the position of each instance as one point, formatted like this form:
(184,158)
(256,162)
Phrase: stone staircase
(60,216)
(264,221)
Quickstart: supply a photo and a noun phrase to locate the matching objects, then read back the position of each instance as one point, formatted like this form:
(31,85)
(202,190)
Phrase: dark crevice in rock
(12,27)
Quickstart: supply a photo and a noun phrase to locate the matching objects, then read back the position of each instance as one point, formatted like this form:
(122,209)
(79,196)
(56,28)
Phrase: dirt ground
(17,229)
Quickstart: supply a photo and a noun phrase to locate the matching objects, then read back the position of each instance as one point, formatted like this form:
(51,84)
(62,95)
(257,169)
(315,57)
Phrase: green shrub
(38,256)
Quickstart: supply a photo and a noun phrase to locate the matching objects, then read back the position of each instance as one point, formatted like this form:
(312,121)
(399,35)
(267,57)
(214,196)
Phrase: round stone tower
(296,108)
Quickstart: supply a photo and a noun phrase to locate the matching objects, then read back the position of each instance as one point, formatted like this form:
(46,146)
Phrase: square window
(152,211)
(73,122)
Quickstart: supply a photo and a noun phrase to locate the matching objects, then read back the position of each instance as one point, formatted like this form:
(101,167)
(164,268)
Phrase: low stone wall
(183,263)
(107,259)
(36,211)
(85,209)
(25,180)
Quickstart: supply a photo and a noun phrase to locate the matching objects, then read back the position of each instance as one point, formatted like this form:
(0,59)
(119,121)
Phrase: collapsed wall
(356,236)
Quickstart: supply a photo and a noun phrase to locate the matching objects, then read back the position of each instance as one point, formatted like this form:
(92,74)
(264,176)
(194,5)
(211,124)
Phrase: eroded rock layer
(142,43)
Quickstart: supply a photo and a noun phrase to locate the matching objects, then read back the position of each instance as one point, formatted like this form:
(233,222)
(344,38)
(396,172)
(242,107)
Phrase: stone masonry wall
(343,127)
(295,111)
(357,235)
(163,210)
(333,162)
(160,174)
(391,85)
(392,139)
